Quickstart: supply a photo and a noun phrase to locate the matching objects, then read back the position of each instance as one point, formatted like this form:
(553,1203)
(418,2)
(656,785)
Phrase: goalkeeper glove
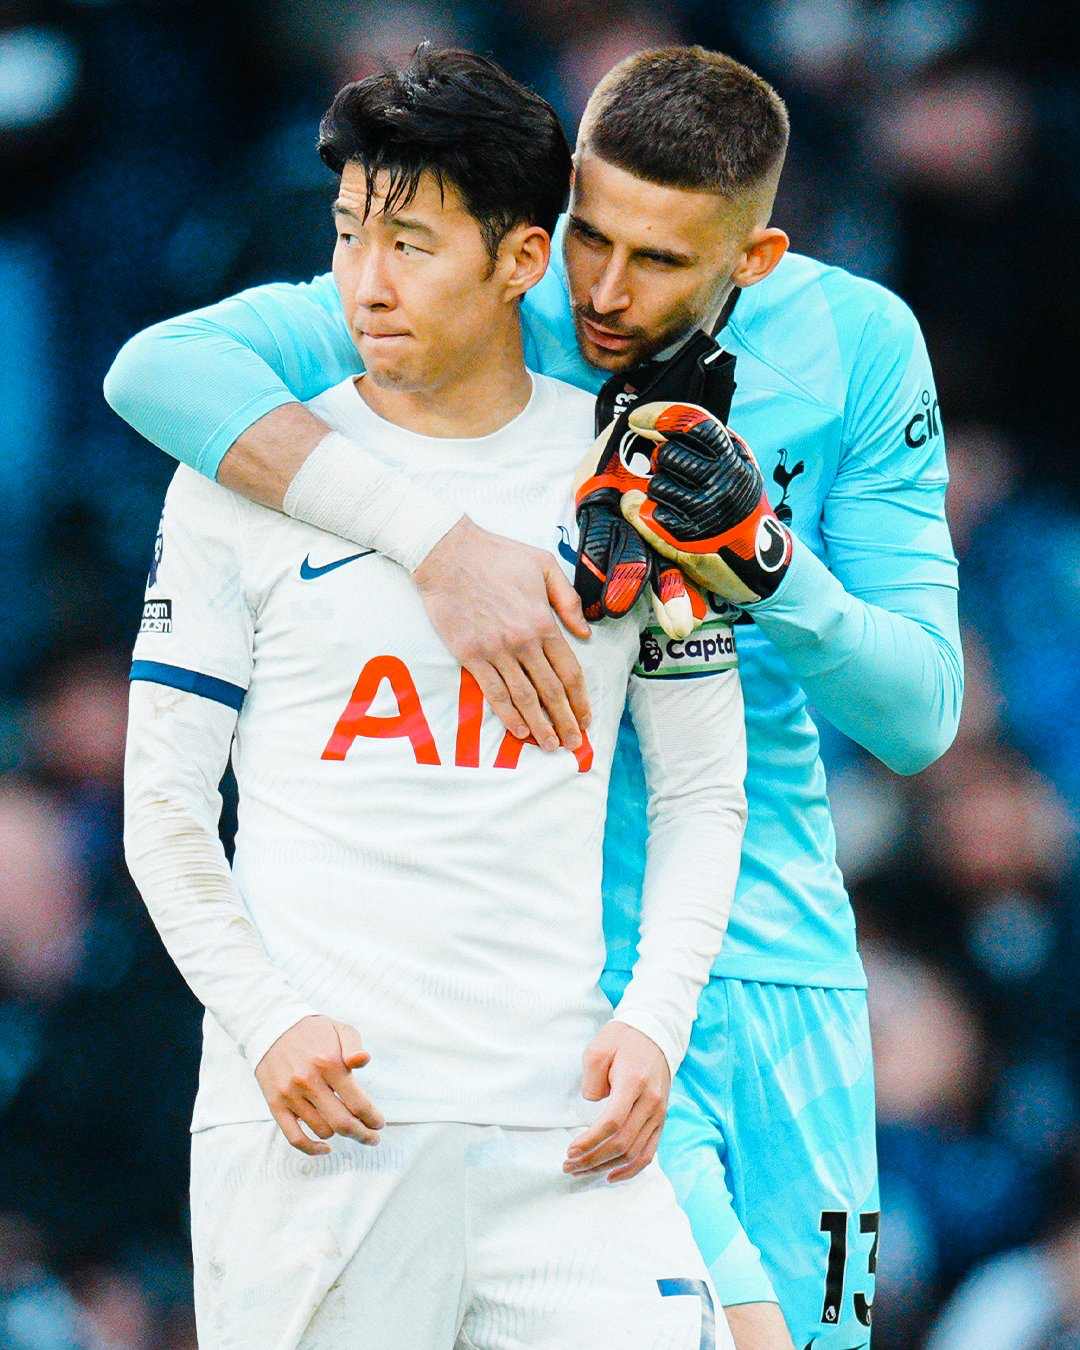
(614,563)
(706,507)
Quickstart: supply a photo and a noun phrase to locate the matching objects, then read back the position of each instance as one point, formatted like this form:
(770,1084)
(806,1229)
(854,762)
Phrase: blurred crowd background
(158,155)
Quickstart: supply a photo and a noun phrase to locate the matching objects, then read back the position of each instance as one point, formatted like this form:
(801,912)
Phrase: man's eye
(409,250)
(347,239)
(587,237)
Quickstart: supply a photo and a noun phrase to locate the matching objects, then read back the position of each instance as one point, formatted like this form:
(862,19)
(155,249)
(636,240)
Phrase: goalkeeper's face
(647,263)
(420,294)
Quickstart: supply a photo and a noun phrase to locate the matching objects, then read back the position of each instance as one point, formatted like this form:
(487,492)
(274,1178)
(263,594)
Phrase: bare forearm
(262,462)
(292,461)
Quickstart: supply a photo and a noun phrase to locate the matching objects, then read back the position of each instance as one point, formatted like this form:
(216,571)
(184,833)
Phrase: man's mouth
(604,337)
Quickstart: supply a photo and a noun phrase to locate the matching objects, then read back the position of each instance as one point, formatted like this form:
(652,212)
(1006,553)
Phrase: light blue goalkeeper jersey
(836,397)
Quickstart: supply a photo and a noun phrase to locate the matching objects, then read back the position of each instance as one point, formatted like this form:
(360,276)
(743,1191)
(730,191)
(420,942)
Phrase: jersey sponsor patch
(156,617)
(708,651)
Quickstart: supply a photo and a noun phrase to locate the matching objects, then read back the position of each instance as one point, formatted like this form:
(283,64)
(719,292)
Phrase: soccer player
(412,884)
(770,1136)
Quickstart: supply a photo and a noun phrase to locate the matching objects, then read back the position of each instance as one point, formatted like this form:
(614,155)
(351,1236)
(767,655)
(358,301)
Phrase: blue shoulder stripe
(177,677)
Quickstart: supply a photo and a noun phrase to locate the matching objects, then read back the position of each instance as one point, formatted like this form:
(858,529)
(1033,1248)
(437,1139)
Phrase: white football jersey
(408,866)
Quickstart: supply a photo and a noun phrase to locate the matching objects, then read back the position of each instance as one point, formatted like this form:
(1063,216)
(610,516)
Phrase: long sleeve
(688,714)
(871,632)
(193,384)
(882,664)
(191,669)
(178,746)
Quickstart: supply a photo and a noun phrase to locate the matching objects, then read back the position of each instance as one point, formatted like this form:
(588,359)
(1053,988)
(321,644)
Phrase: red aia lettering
(510,752)
(409,721)
(470,715)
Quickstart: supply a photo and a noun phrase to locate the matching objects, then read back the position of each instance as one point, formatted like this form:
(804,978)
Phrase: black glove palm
(706,507)
(614,562)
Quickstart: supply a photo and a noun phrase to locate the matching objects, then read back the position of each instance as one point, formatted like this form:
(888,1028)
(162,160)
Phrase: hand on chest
(342,635)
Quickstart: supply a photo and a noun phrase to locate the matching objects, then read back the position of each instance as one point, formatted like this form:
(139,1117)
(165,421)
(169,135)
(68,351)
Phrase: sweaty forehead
(632,211)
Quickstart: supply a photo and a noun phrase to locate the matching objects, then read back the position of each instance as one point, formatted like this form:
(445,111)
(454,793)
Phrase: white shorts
(443,1237)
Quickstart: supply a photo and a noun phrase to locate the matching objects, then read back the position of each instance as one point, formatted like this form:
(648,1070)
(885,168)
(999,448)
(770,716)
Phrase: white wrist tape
(343,488)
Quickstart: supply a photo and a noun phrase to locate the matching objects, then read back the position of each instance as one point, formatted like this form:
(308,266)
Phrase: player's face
(645,263)
(416,285)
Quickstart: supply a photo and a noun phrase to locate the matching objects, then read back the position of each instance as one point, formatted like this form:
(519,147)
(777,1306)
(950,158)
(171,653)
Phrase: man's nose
(610,294)
(373,286)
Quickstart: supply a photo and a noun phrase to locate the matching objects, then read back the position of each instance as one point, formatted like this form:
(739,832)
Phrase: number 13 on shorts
(835,1223)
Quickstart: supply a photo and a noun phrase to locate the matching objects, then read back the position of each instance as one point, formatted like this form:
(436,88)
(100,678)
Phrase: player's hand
(705,506)
(613,567)
(615,564)
(627,1066)
(306,1077)
(494,602)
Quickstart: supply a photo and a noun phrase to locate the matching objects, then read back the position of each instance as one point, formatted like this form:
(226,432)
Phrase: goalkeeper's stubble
(646,263)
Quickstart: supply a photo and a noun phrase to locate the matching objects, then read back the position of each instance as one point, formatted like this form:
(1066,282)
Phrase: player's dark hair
(688,118)
(461,118)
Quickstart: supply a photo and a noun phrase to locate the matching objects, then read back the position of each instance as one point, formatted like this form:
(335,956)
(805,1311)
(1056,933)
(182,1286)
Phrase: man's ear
(764,249)
(524,255)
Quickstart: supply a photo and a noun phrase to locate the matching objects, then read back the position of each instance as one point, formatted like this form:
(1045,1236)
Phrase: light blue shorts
(769,1145)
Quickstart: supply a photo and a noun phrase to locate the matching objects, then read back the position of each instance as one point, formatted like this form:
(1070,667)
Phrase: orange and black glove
(615,564)
(704,507)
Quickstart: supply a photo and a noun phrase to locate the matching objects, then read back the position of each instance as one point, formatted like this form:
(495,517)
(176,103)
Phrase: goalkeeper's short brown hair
(688,118)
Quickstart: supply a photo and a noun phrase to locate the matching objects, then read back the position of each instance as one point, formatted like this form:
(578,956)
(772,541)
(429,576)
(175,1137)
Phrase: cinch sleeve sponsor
(708,651)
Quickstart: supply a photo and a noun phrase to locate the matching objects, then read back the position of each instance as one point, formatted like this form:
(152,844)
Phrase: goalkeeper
(770,1134)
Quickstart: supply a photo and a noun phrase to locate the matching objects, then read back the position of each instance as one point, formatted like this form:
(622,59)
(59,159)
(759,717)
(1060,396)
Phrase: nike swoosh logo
(309,573)
(565,548)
